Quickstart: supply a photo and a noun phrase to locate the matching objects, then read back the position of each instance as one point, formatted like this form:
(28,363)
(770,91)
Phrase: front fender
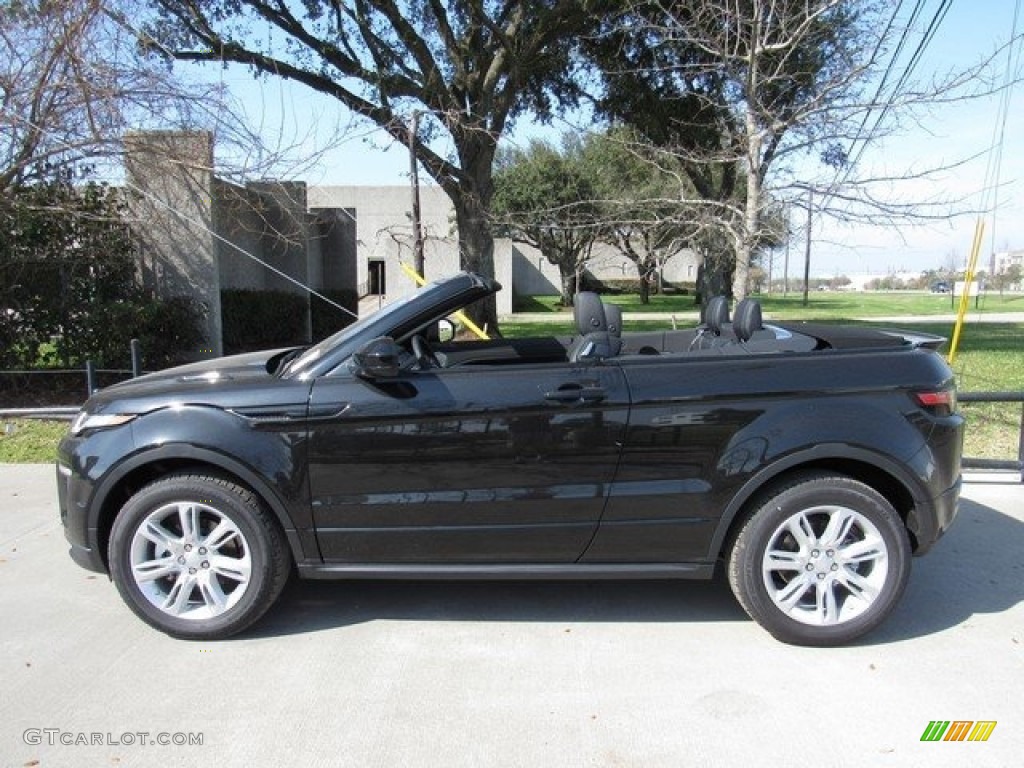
(271,461)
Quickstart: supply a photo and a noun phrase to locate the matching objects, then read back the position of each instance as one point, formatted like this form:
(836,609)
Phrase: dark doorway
(378,283)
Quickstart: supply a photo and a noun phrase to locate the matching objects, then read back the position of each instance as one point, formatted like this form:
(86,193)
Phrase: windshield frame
(433,301)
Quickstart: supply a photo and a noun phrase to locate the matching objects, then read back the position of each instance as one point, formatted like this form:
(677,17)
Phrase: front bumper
(74,519)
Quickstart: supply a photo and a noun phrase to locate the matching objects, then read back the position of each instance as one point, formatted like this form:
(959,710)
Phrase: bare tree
(469,66)
(650,211)
(746,92)
(72,81)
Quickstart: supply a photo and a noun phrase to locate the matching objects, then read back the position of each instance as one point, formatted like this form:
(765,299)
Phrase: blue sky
(295,118)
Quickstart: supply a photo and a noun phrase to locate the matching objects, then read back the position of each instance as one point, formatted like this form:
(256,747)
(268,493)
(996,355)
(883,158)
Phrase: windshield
(296,366)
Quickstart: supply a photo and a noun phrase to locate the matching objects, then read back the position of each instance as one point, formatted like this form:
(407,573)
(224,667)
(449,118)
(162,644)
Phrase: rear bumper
(943,512)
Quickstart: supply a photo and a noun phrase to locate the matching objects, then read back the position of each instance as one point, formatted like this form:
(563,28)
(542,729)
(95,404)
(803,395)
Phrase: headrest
(716,314)
(747,319)
(588,311)
(613,319)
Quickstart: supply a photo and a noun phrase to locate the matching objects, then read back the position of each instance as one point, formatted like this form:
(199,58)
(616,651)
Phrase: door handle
(576,393)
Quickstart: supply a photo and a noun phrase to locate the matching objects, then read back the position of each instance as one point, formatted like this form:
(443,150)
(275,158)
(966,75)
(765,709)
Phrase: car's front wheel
(820,562)
(197,557)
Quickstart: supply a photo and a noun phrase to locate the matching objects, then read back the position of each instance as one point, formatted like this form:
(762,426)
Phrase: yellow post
(965,297)
(419,280)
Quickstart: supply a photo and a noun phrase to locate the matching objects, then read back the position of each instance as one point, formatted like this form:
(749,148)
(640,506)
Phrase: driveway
(508,674)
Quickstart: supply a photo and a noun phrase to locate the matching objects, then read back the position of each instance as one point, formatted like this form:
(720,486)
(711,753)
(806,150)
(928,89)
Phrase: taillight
(940,402)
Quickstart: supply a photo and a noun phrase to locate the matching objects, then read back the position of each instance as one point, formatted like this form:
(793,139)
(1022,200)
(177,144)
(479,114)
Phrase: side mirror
(379,359)
(445,330)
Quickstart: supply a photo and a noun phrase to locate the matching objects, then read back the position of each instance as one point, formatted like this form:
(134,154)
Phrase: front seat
(613,319)
(594,341)
(714,318)
(746,320)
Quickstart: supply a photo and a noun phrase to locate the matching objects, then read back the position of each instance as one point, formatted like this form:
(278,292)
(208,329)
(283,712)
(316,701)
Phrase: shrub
(328,319)
(68,284)
(170,332)
(253,320)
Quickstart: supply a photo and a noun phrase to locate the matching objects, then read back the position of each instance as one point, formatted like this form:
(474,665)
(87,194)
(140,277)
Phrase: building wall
(202,234)
(1003,260)
(383,223)
(383,217)
(532,274)
(170,176)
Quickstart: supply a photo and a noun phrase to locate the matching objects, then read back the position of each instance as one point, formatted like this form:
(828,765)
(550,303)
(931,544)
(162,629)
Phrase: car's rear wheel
(197,557)
(820,562)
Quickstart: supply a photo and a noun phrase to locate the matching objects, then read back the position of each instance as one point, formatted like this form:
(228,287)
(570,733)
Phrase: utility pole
(807,247)
(417,229)
(785,268)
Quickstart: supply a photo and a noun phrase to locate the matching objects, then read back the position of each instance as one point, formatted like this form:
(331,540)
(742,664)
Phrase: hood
(225,382)
(247,365)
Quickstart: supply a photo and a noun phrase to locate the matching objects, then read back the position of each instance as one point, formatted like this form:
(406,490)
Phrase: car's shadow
(976,568)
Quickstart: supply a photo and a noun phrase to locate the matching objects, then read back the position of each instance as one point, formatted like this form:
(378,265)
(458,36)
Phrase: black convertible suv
(812,462)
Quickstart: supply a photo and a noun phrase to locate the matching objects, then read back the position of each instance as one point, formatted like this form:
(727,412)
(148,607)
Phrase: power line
(885,75)
(915,59)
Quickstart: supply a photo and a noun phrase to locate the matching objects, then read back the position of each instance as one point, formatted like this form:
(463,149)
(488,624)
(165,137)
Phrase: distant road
(989,317)
(693,316)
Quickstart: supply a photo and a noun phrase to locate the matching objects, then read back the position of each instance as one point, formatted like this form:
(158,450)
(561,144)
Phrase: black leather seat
(746,320)
(714,316)
(594,339)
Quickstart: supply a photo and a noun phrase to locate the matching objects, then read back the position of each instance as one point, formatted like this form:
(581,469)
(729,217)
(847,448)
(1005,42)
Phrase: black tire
(845,577)
(222,562)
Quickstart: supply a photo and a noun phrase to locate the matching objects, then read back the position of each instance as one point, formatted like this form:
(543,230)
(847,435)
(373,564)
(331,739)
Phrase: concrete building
(204,235)
(1003,261)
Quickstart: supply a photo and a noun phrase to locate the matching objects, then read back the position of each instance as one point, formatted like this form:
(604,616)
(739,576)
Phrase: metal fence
(1008,465)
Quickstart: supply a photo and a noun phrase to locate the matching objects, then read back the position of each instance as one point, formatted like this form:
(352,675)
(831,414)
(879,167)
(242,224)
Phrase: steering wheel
(424,354)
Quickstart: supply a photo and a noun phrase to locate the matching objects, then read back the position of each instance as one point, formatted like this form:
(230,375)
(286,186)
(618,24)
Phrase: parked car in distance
(940,286)
(808,462)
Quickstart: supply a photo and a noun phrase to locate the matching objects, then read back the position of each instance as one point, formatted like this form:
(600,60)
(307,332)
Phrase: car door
(474,464)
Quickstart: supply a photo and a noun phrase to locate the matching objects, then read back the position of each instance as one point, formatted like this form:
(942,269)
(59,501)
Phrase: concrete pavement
(508,674)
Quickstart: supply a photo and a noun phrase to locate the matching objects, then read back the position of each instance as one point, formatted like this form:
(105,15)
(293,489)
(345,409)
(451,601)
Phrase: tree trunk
(714,278)
(471,197)
(569,284)
(751,215)
(645,286)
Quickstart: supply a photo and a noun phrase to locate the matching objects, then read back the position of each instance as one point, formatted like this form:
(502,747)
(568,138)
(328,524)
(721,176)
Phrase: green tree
(1008,277)
(650,211)
(470,67)
(544,197)
(68,282)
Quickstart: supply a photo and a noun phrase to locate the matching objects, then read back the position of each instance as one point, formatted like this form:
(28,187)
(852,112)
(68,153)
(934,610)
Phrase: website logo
(958,730)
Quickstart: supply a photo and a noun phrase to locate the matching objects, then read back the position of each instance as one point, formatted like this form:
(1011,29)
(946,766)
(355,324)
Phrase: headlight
(85,420)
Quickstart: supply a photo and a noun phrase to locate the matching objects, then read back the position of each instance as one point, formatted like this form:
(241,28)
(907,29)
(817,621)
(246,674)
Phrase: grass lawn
(822,305)
(30,441)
